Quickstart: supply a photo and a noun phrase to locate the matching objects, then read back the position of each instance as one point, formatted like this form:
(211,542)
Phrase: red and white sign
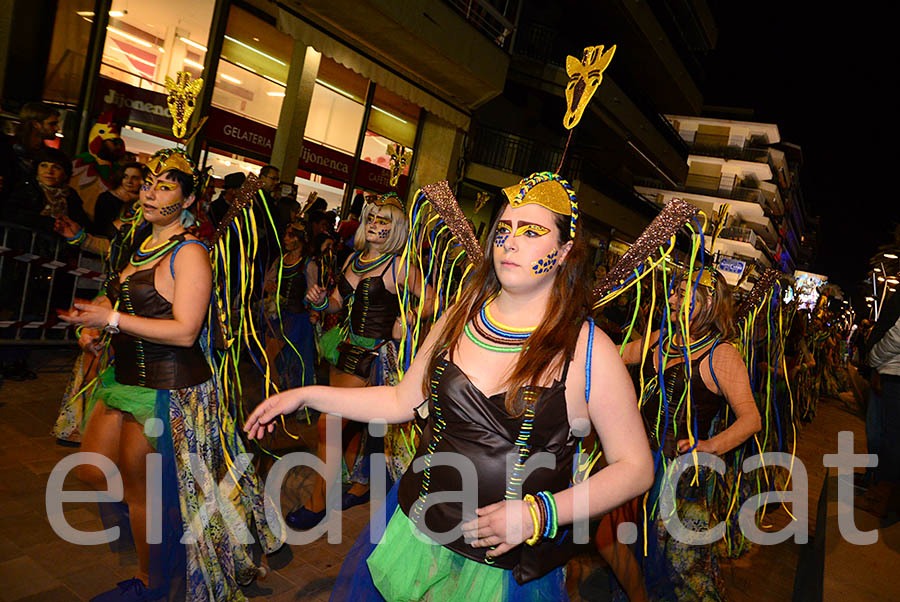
(234,130)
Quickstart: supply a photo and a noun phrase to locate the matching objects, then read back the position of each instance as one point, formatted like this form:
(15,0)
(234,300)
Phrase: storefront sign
(325,161)
(236,131)
(144,107)
(378,178)
(732,265)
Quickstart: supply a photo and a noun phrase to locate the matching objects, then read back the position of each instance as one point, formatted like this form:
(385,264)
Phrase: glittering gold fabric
(762,286)
(673,216)
(244,198)
(171,158)
(550,195)
(442,198)
(388,198)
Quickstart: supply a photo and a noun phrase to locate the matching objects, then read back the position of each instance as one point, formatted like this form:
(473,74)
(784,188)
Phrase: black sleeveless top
(706,404)
(144,363)
(374,308)
(464,421)
(293,287)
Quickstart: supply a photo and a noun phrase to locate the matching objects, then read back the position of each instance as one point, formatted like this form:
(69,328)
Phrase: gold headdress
(549,190)
(584,79)
(172,158)
(388,198)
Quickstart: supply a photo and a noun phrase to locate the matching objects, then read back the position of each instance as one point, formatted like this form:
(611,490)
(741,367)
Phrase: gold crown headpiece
(549,190)
(388,198)
(173,158)
(707,277)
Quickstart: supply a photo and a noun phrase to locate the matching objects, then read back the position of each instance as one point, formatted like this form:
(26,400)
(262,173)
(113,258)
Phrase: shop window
(337,107)
(147,41)
(71,38)
(253,69)
(393,119)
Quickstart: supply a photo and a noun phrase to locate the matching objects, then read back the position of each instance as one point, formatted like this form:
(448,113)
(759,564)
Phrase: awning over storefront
(331,47)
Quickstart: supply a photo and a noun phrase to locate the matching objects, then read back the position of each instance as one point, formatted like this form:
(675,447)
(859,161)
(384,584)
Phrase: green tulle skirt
(140,402)
(406,565)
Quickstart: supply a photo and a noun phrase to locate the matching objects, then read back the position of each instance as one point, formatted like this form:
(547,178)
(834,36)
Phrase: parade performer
(506,371)
(362,350)
(689,370)
(290,344)
(170,391)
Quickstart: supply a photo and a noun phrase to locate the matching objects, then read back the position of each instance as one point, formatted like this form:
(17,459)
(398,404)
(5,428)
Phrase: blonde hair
(396,240)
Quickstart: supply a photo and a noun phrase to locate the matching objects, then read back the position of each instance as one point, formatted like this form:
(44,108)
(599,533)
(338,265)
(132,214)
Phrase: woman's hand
(86,314)
(503,526)
(263,417)
(316,295)
(703,445)
(64,226)
(89,341)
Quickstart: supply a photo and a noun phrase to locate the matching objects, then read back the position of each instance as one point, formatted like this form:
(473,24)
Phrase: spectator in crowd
(38,122)
(46,195)
(110,204)
(219,207)
(347,228)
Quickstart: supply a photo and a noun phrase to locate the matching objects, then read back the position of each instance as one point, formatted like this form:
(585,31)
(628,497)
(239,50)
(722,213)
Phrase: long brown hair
(554,339)
(718,314)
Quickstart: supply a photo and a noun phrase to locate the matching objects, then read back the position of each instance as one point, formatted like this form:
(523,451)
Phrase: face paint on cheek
(170,209)
(500,239)
(383,234)
(545,264)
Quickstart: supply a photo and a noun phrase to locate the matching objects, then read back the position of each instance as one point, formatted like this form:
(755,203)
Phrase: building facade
(320,89)
(746,166)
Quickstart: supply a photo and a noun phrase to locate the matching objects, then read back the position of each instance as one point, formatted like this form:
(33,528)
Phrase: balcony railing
(715,186)
(518,155)
(716,145)
(493,18)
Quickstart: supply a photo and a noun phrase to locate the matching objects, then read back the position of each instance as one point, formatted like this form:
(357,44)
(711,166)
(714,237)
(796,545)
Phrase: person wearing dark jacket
(46,194)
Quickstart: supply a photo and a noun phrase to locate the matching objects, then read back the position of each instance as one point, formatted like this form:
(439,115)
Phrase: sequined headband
(708,277)
(549,190)
(172,158)
(388,198)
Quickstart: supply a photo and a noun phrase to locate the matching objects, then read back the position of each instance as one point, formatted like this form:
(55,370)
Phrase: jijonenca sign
(114,98)
(314,157)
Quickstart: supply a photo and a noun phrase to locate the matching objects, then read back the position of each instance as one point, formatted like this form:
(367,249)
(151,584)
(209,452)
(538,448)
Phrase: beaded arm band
(320,307)
(77,239)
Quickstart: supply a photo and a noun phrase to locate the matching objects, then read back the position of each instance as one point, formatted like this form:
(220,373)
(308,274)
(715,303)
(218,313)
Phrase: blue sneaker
(132,590)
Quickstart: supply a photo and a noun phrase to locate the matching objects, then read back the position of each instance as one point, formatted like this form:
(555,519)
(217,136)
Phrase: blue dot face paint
(546,263)
(502,234)
(170,209)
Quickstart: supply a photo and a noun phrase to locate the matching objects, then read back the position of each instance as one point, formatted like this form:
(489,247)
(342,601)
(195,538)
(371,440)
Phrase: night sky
(821,75)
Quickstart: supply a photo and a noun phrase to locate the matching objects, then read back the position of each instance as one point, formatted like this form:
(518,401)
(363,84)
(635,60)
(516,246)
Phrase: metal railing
(495,19)
(518,155)
(40,274)
(717,145)
(716,186)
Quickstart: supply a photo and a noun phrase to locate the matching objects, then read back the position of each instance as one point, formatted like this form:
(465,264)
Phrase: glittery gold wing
(443,249)
(651,248)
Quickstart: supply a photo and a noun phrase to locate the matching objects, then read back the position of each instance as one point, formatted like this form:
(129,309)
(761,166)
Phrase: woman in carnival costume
(162,395)
(361,351)
(290,343)
(507,374)
(689,371)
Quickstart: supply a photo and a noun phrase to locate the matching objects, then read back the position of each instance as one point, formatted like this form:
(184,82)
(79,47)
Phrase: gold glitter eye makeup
(534,229)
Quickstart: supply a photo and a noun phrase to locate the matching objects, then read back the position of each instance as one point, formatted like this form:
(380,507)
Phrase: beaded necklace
(143,256)
(494,335)
(361,266)
(673,349)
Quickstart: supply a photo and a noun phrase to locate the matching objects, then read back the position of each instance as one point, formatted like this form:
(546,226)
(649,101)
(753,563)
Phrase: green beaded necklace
(489,346)
(143,256)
